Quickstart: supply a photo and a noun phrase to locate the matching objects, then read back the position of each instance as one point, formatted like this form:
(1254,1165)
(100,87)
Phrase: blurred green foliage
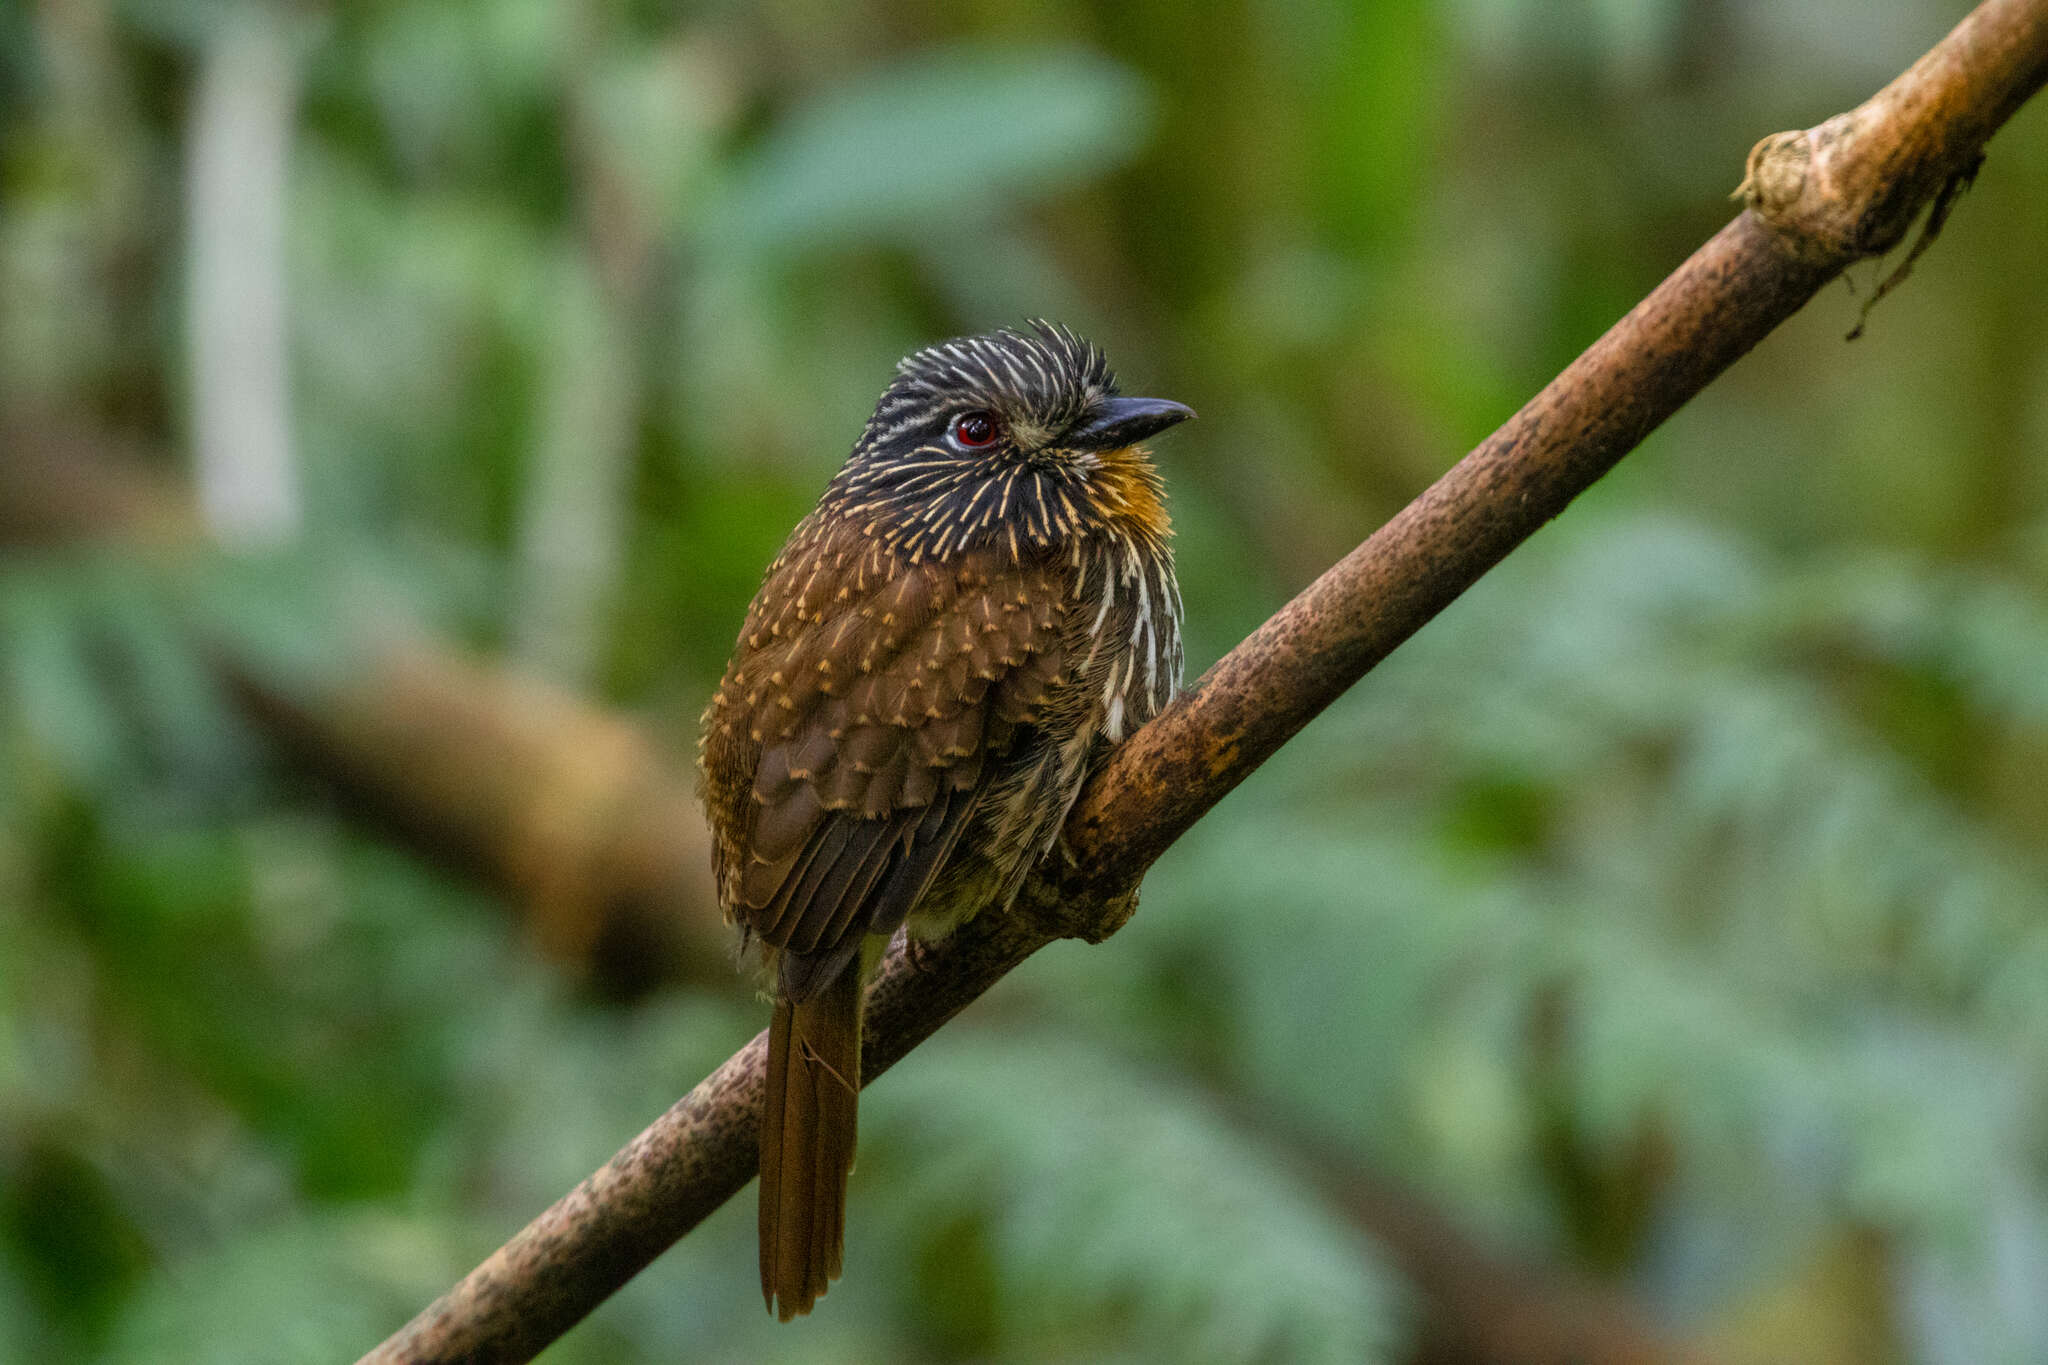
(1672,908)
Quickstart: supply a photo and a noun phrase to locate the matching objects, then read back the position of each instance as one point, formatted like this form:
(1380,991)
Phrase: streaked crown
(1012,435)
(1038,383)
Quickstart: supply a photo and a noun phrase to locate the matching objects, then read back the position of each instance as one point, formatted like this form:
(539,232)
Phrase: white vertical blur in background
(240,131)
(576,511)
(572,523)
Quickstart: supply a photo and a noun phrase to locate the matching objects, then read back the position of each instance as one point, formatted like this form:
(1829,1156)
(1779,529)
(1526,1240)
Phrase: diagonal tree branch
(1818,201)
(477,767)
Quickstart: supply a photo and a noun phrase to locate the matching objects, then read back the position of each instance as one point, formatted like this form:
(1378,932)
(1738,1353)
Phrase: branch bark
(1859,180)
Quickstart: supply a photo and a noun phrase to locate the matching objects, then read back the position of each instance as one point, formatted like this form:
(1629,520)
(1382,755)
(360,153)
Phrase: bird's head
(1017,433)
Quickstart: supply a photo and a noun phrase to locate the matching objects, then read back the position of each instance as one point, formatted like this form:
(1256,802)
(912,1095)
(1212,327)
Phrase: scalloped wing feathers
(856,728)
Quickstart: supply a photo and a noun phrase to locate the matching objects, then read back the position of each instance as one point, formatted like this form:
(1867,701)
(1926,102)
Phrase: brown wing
(868,702)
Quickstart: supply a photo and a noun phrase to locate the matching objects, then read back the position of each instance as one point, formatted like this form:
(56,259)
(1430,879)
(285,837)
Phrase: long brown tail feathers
(808,1121)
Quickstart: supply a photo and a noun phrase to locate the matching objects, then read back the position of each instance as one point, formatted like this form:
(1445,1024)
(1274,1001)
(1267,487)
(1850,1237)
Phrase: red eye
(974,428)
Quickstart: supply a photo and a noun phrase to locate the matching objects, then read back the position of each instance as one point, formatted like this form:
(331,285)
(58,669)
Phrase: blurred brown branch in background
(1480,1308)
(1871,171)
(61,485)
(571,811)
(1474,1306)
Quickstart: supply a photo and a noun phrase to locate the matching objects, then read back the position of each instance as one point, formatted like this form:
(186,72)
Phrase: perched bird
(982,602)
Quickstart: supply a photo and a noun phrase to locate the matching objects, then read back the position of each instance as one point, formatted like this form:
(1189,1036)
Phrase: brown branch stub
(1863,176)
(1850,187)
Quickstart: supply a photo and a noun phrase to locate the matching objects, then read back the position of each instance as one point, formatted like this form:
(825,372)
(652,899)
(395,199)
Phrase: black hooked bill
(1117,422)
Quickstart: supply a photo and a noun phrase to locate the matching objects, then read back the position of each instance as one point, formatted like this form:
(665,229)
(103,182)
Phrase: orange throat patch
(1128,489)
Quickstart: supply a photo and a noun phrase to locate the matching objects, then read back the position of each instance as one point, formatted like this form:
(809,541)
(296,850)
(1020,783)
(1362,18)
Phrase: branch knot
(1060,899)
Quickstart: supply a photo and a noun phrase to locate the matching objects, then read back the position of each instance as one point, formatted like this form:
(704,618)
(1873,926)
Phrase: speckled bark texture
(1848,188)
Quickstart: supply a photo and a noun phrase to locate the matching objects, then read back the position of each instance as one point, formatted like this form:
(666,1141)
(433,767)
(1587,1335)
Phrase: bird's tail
(807,1135)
